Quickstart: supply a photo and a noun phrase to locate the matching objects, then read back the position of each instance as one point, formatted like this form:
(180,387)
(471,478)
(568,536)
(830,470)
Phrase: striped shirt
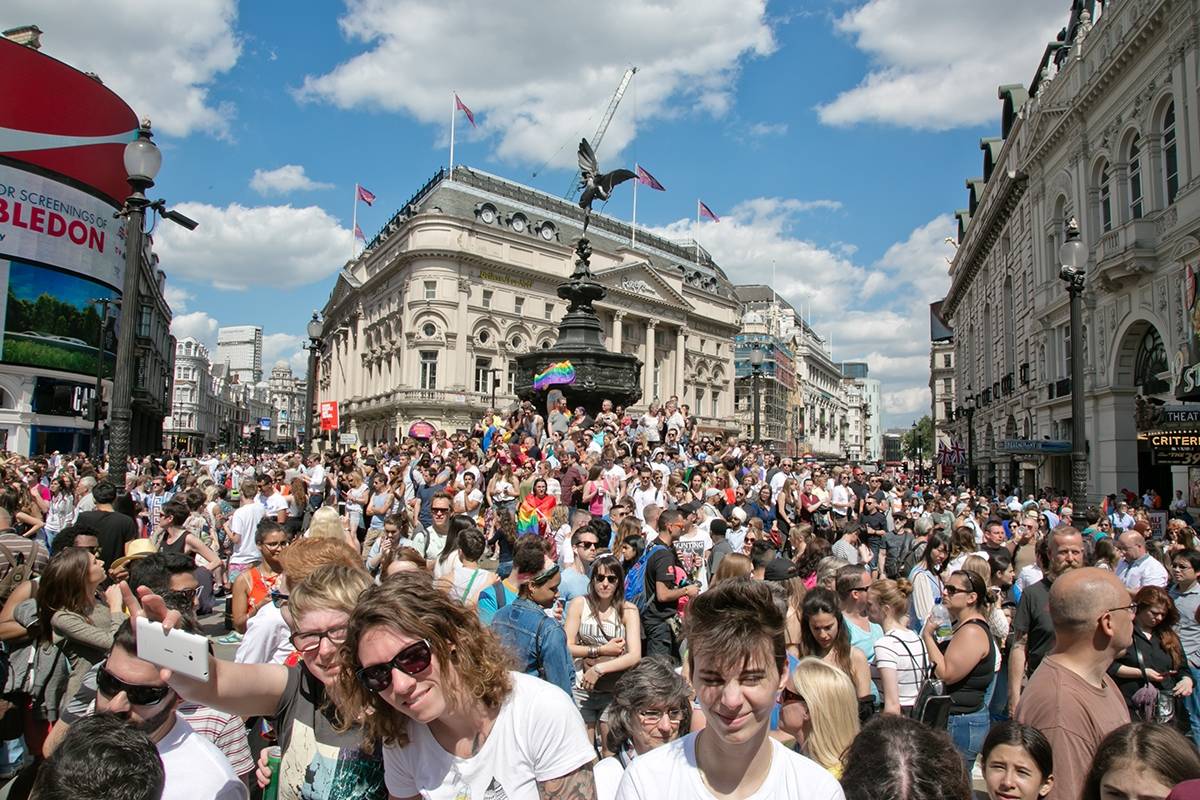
(910,664)
(22,549)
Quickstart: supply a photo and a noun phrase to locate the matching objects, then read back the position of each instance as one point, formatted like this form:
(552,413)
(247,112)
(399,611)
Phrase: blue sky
(833,138)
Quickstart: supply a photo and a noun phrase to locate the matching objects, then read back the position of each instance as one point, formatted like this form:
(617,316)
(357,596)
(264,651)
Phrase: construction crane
(599,137)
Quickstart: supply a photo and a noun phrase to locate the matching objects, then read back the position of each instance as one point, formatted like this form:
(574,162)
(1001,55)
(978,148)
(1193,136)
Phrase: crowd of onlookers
(579,605)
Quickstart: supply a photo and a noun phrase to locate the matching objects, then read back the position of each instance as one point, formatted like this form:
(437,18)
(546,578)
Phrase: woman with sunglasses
(819,710)
(325,755)
(967,662)
(430,681)
(651,706)
(604,636)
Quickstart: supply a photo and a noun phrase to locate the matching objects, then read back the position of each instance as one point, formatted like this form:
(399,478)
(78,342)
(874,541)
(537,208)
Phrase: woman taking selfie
(434,685)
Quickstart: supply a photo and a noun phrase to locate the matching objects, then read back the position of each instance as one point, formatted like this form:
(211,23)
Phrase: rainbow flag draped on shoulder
(527,521)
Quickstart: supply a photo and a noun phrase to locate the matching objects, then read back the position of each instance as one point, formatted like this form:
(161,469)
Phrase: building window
(512,377)
(656,381)
(1066,350)
(947,410)
(1105,199)
(429,330)
(483,375)
(143,328)
(1135,178)
(487,298)
(946,360)
(519,305)
(716,399)
(946,386)
(431,290)
(699,400)
(429,363)
(1170,154)
(549,311)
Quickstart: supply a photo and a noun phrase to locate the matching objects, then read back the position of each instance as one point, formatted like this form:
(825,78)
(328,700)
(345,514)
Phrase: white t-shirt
(276,503)
(538,736)
(670,772)
(194,767)
(316,479)
(244,523)
(691,548)
(910,669)
(267,638)
(607,774)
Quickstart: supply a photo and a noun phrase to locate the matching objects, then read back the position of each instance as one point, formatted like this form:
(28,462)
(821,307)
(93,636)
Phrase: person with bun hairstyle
(901,661)
(1018,762)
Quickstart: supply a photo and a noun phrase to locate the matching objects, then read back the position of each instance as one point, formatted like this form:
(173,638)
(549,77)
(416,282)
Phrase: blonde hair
(473,664)
(733,565)
(832,707)
(892,595)
(331,587)
(326,524)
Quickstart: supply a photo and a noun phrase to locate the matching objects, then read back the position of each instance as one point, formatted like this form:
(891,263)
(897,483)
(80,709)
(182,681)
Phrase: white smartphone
(182,652)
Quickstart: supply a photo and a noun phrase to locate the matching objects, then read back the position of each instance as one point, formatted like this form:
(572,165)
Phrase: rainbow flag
(555,374)
(527,521)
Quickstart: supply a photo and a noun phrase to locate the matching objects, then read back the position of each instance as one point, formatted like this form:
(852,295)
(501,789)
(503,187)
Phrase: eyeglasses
(110,685)
(309,641)
(184,595)
(412,660)
(588,545)
(653,716)
(788,695)
(1132,608)
(439,511)
(605,578)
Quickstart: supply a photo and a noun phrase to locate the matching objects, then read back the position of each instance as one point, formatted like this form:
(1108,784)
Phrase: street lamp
(916,447)
(314,349)
(756,361)
(98,399)
(1072,257)
(970,409)
(494,374)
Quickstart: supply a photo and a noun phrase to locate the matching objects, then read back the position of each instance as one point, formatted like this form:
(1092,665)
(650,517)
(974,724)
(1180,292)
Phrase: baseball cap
(711,493)
(781,569)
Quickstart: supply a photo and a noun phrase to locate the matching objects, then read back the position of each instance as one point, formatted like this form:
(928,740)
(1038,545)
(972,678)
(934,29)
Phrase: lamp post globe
(756,362)
(1073,257)
(142,158)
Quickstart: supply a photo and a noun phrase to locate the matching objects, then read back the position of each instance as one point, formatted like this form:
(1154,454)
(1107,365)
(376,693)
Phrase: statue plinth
(599,373)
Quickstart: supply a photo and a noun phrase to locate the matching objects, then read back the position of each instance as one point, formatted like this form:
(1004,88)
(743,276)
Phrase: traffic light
(96,406)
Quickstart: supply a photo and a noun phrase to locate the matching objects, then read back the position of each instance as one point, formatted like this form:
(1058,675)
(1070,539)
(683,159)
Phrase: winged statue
(594,183)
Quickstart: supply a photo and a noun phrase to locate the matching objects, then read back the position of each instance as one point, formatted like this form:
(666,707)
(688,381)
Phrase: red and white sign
(49,222)
(329,415)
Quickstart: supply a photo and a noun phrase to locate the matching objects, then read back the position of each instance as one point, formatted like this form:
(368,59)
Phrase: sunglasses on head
(412,660)
(110,685)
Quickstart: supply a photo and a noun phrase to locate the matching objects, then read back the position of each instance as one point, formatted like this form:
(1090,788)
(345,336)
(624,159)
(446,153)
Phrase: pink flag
(705,211)
(646,179)
(358,234)
(461,106)
(366,196)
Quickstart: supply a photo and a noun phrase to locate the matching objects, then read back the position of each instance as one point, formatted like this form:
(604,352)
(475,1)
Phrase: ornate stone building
(1108,133)
(287,394)
(463,278)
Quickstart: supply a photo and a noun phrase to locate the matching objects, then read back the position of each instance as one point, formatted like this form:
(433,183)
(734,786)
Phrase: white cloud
(912,402)
(761,129)
(285,179)
(540,79)
(177,298)
(161,58)
(198,325)
(935,67)
(238,246)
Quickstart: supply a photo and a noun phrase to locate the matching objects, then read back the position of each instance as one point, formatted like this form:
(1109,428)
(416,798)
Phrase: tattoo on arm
(577,785)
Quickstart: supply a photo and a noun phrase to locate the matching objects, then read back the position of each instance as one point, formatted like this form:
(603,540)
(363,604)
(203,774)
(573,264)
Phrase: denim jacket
(536,641)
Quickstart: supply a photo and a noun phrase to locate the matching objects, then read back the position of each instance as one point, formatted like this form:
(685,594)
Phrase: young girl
(1017,763)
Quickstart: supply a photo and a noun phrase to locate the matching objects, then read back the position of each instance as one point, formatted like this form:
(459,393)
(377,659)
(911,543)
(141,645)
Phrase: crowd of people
(583,605)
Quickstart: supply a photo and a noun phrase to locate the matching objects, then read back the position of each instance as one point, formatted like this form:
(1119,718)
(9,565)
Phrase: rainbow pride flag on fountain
(554,375)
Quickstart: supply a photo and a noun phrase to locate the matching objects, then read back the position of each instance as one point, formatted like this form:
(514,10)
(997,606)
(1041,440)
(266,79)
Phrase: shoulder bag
(932,705)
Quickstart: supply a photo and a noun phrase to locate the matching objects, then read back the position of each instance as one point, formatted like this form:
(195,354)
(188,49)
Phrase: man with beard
(1033,626)
(134,690)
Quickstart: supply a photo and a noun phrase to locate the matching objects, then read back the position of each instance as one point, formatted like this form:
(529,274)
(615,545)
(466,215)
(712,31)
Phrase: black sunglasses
(412,660)
(604,578)
(110,685)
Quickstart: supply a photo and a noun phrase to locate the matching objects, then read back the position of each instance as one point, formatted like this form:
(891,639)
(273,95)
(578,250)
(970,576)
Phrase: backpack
(636,591)
(902,564)
(932,705)
(20,569)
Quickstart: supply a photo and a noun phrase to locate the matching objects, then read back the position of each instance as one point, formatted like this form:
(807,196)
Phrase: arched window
(1105,199)
(1135,177)
(1170,154)
(1149,363)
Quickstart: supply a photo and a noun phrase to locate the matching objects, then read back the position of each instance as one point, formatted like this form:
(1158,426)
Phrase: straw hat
(134,549)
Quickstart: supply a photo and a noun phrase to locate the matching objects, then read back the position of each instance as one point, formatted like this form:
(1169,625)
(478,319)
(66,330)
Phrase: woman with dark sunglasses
(430,681)
(604,636)
(324,754)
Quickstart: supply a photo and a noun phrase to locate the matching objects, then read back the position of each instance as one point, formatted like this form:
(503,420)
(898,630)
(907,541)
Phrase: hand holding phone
(178,651)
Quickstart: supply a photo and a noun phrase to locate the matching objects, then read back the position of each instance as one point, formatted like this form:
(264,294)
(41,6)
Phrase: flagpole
(453,114)
(354,226)
(696,238)
(633,227)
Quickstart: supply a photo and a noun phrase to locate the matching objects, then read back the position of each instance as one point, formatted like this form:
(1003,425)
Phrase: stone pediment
(641,281)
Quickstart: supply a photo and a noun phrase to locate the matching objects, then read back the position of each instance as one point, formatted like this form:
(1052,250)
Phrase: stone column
(618,331)
(460,345)
(648,377)
(680,351)
(1113,434)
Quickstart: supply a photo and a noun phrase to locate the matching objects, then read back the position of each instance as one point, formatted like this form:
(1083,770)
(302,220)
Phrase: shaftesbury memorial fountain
(579,365)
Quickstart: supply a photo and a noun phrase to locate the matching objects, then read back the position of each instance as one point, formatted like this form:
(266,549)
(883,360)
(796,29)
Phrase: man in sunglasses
(133,689)
(584,545)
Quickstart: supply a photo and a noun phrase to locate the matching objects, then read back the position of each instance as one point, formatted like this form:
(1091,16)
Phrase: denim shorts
(968,732)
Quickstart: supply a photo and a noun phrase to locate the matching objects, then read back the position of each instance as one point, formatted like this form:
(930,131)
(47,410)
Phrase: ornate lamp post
(313,346)
(1073,256)
(756,361)
(969,405)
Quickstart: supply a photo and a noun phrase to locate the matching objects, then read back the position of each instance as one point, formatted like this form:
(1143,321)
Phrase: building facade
(239,347)
(287,394)
(192,424)
(864,400)
(1108,134)
(941,411)
(464,277)
(776,385)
